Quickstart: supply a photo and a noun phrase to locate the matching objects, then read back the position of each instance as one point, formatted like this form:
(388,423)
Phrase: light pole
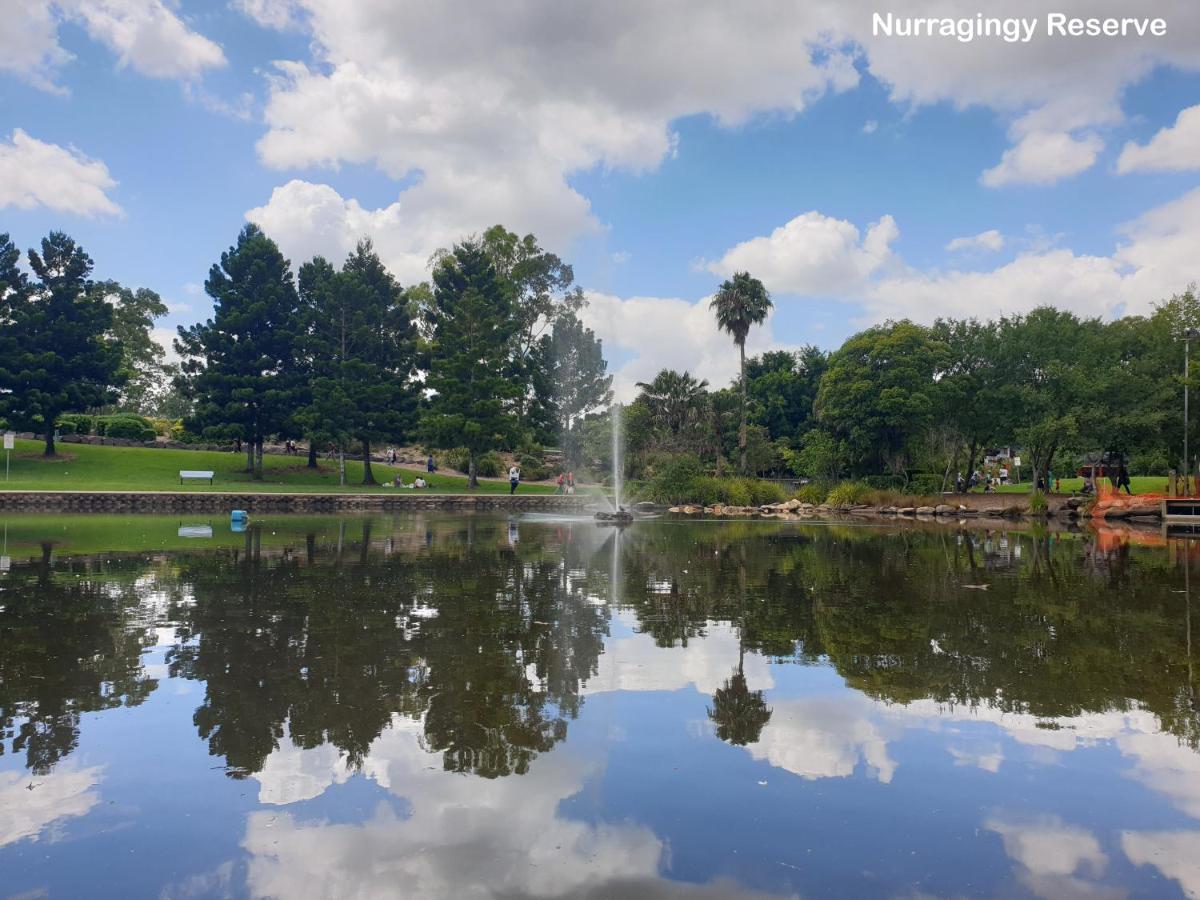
(1188,336)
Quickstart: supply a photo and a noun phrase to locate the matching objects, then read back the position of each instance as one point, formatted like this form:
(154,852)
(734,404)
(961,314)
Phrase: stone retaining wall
(223,502)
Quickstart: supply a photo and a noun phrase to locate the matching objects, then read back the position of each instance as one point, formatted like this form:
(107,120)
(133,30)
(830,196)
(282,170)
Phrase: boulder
(675,509)
(792,504)
(945,509)
(906,510)
(926,510)
(1146,509)
(1116,512)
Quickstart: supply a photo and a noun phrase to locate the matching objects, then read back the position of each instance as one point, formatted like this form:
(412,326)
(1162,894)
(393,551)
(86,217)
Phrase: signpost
(9,438)
(1017,466)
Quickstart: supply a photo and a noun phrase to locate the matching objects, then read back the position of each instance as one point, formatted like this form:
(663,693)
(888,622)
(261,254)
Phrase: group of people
(565,484)
(1119,478)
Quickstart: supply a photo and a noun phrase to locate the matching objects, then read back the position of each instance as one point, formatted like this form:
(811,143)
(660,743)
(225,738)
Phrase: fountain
(619,515)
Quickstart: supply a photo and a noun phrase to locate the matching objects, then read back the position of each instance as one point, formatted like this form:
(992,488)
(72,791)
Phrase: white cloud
(65,793)
(813,254)
(1055,860)
(1044,157)
(146,35)
(29,43)
(1173,149)
(636,663)
(466,836)
(870,126)
(1174,853)
(34,173)
(279,14)
(667,333)
(991,240)
(823,738)
(165,338)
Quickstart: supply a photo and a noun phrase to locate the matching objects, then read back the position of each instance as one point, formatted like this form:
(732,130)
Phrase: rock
(1075,502)
(1145,520)
(926,510)
(1116,512)
(906,510)
(690,510)
(996,512)
(887,510)
(675,509)
(792,504)
(945,509)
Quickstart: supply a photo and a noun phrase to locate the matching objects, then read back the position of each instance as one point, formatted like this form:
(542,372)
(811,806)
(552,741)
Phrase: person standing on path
(1123,480)
(514,478)
(571,482)
(560,489)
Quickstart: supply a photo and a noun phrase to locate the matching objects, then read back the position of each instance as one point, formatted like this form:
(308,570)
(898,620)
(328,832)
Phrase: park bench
(195,473)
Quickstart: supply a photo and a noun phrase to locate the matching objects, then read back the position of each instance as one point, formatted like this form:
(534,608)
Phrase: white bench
(195,473)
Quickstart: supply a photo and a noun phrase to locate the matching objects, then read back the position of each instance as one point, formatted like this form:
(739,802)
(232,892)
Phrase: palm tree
(675,399)
(740,302)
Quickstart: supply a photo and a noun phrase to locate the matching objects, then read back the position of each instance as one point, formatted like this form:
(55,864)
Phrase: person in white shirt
(514,479)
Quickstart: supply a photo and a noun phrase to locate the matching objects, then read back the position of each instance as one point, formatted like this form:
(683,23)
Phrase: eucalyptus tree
(740,303)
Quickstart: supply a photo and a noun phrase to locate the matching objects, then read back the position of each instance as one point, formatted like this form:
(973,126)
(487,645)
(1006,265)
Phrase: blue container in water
(238,520)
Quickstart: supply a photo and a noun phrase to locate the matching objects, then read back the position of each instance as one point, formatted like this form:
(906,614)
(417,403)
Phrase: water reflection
(373,688)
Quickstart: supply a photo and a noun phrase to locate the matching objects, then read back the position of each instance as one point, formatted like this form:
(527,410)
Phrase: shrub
(848,493)
(490,465)
(456,458)
(1037,502)
(678,479)
(78,423)
(925,483)
(532,467)
(129,429)
(814,492)
(763,492)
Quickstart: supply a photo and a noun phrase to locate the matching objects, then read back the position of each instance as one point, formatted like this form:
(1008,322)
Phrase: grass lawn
(89,467)
(1141,484)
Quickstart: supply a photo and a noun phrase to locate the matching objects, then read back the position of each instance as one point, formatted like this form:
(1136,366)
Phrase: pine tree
(57,355)
(240,365)
(472,326)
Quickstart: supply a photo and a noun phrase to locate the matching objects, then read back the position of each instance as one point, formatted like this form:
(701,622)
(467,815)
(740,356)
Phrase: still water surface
(476,707)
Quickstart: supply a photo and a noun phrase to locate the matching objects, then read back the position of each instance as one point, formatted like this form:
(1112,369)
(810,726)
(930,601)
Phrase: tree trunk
(368,476)
(742,427)
(341,465)
(258,460)
(472,481)
(49,451)
(250,457)
(312,454)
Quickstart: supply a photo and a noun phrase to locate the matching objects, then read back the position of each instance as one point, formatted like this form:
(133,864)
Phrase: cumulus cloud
(991,240)
(1174,853)
(1173,149)
(666,333)
(466,836)
(34,173)
(146,35)
(823,738)
(813,254)
(1054,859)
(1044,157)
(25,814)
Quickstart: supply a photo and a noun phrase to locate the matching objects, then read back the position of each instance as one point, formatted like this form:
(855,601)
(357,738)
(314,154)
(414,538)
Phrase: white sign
(9,438)
(1017,461)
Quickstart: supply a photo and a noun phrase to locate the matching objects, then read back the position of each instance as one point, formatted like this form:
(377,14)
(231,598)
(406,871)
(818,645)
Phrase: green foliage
(740,303)
(79,423)
(472,324)
(848,493)
(125,426)
(144,372)
(925,483)
(578,375)
(763,492)
(457,458)
(814,492)
(242,367)
(532,467)
(56,351)
(1037,502)
(676,479)
(491,465)
(783,388)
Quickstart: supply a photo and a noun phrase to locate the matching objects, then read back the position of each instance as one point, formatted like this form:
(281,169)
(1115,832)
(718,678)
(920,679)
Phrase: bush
(490,465)
(78,423)
(848,493)
(925,483)
(128,429)
(454,459)
(678,479)
(1037,502)
(814,492)
(763,492)
(532,467)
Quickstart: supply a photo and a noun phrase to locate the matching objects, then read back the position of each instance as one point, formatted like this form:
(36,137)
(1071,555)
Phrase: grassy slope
(1141,484)
(87,467)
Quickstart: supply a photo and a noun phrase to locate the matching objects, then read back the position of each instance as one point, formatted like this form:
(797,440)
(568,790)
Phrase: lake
(476,706)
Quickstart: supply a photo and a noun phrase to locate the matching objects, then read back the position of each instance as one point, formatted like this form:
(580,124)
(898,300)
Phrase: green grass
(1141,484)
(91,467)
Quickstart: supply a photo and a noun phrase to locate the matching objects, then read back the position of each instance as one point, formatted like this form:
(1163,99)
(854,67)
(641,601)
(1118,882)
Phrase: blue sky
(658,146)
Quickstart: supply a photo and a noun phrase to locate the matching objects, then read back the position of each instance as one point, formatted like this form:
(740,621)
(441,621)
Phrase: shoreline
(281,502)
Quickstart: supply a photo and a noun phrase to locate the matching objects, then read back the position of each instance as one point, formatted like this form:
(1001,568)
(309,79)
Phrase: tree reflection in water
(326,635)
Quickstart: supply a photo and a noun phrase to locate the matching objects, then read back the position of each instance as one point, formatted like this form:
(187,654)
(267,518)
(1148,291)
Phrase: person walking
(561,484)
(430,465)
(1123,480)
(571,482)
(514,478)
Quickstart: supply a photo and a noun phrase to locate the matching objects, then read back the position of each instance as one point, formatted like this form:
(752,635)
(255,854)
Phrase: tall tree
(143,360)
(60,355)
(740,303)
(240,365)
(783,387)
(580,382)
(676,401)
(472,325)
(362,345)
